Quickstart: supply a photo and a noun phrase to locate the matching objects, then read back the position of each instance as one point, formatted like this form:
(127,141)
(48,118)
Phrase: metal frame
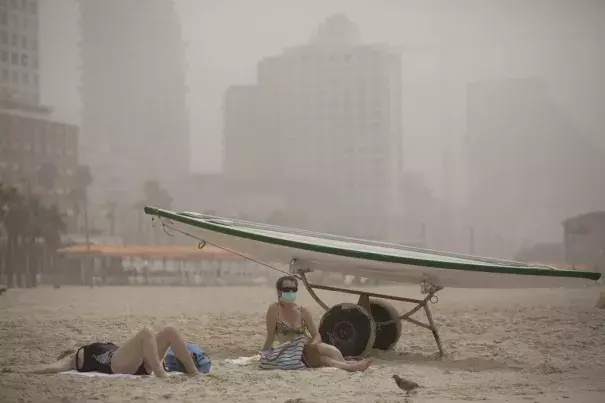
(364,301)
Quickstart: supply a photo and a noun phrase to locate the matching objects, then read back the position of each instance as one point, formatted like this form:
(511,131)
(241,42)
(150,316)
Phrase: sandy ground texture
(502,346)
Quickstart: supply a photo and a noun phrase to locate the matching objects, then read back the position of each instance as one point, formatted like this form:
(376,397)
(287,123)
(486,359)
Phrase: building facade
(30,143)
(328,129)
(19,80)
(135,124)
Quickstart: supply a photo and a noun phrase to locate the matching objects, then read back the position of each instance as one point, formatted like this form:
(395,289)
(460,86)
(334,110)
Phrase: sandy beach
(502,346)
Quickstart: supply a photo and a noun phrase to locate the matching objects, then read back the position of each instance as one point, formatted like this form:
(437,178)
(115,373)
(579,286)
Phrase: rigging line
(203,243)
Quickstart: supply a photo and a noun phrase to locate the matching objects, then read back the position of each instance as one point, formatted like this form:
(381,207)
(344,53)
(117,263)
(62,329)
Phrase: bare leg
(170,337)
(357,366)
(330,351)
(138,349)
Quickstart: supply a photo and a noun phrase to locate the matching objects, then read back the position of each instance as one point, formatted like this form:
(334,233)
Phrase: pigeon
(2,290)
(404,384)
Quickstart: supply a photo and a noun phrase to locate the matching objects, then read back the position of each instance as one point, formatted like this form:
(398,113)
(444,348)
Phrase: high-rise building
(19,82)
(135,123)
(37,154)
(328,133)
(530,167)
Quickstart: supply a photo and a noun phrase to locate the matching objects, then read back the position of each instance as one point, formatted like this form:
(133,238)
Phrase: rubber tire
(354,325)
(387,336)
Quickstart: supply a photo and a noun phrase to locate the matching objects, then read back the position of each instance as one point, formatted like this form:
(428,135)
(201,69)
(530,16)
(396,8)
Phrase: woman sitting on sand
(139,355)
(286,320)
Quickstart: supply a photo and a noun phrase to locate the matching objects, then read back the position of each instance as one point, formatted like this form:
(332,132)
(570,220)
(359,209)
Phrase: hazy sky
(478,38)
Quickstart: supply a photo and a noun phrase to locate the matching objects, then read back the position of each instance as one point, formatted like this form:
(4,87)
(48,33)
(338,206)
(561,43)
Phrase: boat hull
(459,277)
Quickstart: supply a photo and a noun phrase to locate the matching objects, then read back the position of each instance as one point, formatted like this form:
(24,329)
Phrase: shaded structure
(585,240)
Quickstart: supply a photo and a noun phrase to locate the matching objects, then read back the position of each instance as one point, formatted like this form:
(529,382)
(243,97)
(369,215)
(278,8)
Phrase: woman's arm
(66,364)
(315,336)
(270,319)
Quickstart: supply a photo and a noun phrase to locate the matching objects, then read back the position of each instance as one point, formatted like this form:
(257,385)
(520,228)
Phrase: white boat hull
(447,277)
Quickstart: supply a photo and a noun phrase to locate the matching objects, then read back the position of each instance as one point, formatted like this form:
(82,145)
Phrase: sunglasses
(289,289)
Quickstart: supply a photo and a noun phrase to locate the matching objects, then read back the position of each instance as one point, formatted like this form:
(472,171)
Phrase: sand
(502,346)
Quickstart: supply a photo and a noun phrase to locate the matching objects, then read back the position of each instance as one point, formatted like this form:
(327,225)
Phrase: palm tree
(32,229)
(110,214)
(82,181)
(156,195)
(47,176)
(15,219)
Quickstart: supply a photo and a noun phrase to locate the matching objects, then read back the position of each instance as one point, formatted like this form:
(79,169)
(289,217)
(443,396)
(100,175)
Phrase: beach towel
(287,356)
(102,375)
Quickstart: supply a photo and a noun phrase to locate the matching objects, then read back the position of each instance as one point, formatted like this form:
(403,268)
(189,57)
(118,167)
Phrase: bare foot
(362,365)
(160,373)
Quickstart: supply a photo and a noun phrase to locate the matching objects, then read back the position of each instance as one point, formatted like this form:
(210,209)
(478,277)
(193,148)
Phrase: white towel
(243,360)
(99,374)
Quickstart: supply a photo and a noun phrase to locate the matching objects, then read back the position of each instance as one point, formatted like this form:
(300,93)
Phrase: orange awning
(151,252)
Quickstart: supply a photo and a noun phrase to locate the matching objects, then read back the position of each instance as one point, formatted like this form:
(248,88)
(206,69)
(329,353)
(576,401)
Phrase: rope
(202,243)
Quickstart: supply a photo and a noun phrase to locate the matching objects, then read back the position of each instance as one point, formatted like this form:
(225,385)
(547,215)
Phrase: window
(15,76)
(25,23)
(24,60)
(4,37)
(15,40)
(5,75)
(4,56)
(24,42)
(33,7)
(34,44)
(14,4)
(25,78)
(24,5)
(3,18)
(15,58)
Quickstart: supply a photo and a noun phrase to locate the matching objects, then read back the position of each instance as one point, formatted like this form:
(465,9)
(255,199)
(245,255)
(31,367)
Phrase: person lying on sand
(142,354)
(286,320)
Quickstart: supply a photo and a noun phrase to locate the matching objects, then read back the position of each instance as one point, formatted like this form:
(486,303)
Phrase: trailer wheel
(387,336)
(348,327)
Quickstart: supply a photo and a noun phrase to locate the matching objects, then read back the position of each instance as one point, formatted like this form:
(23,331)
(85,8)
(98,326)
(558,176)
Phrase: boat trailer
(372,323)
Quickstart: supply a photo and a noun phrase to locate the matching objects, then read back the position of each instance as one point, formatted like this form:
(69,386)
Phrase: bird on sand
(2,290)
(404,384)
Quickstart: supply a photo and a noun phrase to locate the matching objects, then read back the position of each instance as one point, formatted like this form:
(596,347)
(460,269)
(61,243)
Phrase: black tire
(387,336)
(348,327)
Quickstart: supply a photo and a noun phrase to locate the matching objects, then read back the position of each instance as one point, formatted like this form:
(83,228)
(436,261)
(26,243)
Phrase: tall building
(135,124)
(328,132)
(30,142)
(530,167)
(19,82)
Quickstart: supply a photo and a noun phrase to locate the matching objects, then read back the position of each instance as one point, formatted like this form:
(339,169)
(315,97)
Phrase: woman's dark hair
(280,282)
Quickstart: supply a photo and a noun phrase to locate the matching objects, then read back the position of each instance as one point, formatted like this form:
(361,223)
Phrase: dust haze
(479,125)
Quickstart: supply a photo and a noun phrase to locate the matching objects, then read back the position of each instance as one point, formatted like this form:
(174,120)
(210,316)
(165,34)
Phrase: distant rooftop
(337,30)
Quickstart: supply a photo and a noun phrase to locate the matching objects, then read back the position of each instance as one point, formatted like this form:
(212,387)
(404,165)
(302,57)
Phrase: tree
(31,229)
(154,195)
(47,177)
(110,215)
(82,181)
